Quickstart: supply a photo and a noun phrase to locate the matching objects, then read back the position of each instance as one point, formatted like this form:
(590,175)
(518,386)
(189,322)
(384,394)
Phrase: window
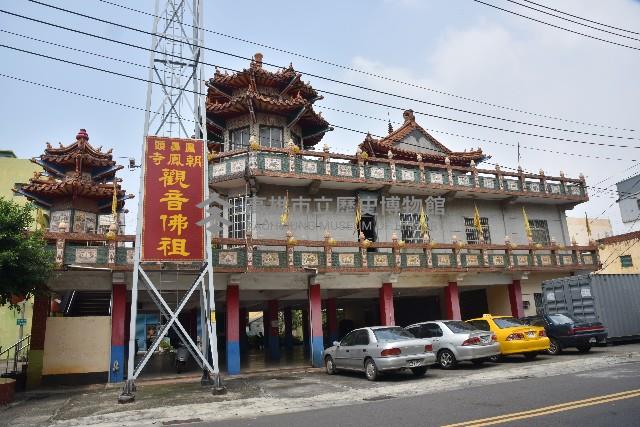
(239,215)
(392,334)
(562,319)
(362,337)
(539,231)
(410,227)
(507,322)
(472,233)
(626,261)
(239,138)
(458,327)
(482,325)
(415,331)
(350,339)
(431,330)
(271,136)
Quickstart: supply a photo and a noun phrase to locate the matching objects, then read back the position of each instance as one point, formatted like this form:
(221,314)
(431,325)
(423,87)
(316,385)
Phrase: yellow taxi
(514,336)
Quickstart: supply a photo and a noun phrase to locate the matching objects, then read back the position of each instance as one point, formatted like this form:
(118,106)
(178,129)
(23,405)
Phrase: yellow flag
(527,227)
(114,200)
(284,218)
(41,222)
(358,218)
(586,220)
(423,222)
(477,224)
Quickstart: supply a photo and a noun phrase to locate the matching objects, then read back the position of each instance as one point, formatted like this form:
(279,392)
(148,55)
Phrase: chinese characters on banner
(173,186)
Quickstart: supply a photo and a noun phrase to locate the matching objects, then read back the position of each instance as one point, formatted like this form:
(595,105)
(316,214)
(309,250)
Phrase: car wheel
(371,370)
(446,359)
(330,365)
(554,347)
(419,371)
(530,356)
(478,362)
(584,348)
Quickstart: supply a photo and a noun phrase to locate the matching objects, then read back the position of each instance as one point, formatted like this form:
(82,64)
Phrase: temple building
(404,229)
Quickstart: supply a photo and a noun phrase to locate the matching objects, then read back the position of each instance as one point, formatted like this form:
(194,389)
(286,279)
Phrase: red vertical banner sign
(173,186)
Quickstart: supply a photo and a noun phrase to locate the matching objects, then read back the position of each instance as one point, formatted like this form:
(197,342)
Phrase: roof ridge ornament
(409,116)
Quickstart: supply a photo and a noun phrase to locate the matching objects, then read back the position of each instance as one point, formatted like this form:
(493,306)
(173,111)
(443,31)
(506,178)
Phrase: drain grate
(181,422)
(381,397)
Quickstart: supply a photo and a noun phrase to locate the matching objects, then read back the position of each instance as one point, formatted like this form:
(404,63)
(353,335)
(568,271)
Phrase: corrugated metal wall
(613,299)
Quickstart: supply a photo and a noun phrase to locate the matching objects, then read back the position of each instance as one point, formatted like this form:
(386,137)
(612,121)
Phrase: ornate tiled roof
(380,147)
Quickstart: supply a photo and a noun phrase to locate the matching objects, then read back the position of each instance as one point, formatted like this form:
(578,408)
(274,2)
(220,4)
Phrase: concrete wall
(9,330)
(610,257)
(600,228)
(503,219)
(498,300)
(77,345)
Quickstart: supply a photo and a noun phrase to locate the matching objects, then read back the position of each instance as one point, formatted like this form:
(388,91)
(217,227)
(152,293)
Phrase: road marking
(546,410)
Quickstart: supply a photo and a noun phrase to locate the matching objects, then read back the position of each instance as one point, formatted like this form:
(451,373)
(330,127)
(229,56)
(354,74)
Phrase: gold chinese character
(175,146)
(159,145)
(190,147)
(173,177)
(177,223)
(174,199)
(156,158)
(194,161)
(170,246)
(175,159)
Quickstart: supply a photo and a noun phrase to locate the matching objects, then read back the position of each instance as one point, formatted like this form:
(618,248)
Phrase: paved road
(605,397)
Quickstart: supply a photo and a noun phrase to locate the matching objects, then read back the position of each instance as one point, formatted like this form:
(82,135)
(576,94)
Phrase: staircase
(86,303)
(12,358)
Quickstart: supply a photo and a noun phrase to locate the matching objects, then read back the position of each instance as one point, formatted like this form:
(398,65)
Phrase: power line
(575,22)
(556,26)
(357,86)
(584,19)
(375,75)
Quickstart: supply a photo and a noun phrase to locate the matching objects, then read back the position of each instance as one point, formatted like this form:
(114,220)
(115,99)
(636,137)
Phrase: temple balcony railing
(273,255)
(321,166)
(290,255)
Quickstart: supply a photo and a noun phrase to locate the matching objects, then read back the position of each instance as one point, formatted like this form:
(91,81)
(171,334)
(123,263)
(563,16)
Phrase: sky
(456,53)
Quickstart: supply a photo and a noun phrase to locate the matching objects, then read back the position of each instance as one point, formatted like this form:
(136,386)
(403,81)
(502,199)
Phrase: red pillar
(315,321)
(233,329)
(387,316)
(332,320)
(118,317)
(452,301)
(273,330)
(515,299)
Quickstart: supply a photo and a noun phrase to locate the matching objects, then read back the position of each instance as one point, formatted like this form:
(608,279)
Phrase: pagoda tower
(274,107)
(78,186)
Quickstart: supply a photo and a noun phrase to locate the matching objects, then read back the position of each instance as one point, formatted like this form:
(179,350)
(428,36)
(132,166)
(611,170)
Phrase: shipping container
(613,299)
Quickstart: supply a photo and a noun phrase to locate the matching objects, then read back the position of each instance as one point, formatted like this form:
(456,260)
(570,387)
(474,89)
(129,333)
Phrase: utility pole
(175,109)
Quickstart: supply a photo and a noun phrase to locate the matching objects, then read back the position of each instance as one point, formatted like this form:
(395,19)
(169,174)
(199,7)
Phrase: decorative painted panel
(488,182)
(273,164)
(228,258)
(309,167)
(567,259)
(443,260)
(534,187)
(522,259)
(237,166)
(84,222)
(512,185)
(347,260)
(464,180)
(86,255)
(219,169)
(130,255)
(310,259)
(270,259)
(376,172)
(436,178)
(498,260)
(554,188)
(57,217)
(574,190)
(587,258)
(344,170)
(380,260)
(407,175)
(472,260)
(545,260)
(413,260)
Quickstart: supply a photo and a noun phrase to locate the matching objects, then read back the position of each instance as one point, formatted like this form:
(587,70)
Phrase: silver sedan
(454,341)
(378,349)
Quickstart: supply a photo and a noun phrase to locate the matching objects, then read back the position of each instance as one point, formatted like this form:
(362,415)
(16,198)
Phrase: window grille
(472,233)
(626,261)
(239,138)
(239,216)
(271,136)
(410,227)
(539,231)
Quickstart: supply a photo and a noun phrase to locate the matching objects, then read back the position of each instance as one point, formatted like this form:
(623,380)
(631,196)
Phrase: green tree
(25,263)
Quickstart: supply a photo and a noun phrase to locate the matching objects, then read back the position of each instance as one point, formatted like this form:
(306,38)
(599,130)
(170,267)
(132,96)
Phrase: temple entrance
(411,310)
(473,303)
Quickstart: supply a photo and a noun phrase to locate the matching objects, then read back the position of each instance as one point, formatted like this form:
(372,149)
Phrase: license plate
(592,340)
(414,363)
(531,334)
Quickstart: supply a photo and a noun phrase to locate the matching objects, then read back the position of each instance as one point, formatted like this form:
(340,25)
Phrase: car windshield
(458,327)
(562,319)
(392,334)
(507,322)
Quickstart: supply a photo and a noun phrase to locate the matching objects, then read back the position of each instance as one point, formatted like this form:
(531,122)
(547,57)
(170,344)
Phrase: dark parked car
(565,331)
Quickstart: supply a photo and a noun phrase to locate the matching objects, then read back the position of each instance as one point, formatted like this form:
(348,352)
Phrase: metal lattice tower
(174,104)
